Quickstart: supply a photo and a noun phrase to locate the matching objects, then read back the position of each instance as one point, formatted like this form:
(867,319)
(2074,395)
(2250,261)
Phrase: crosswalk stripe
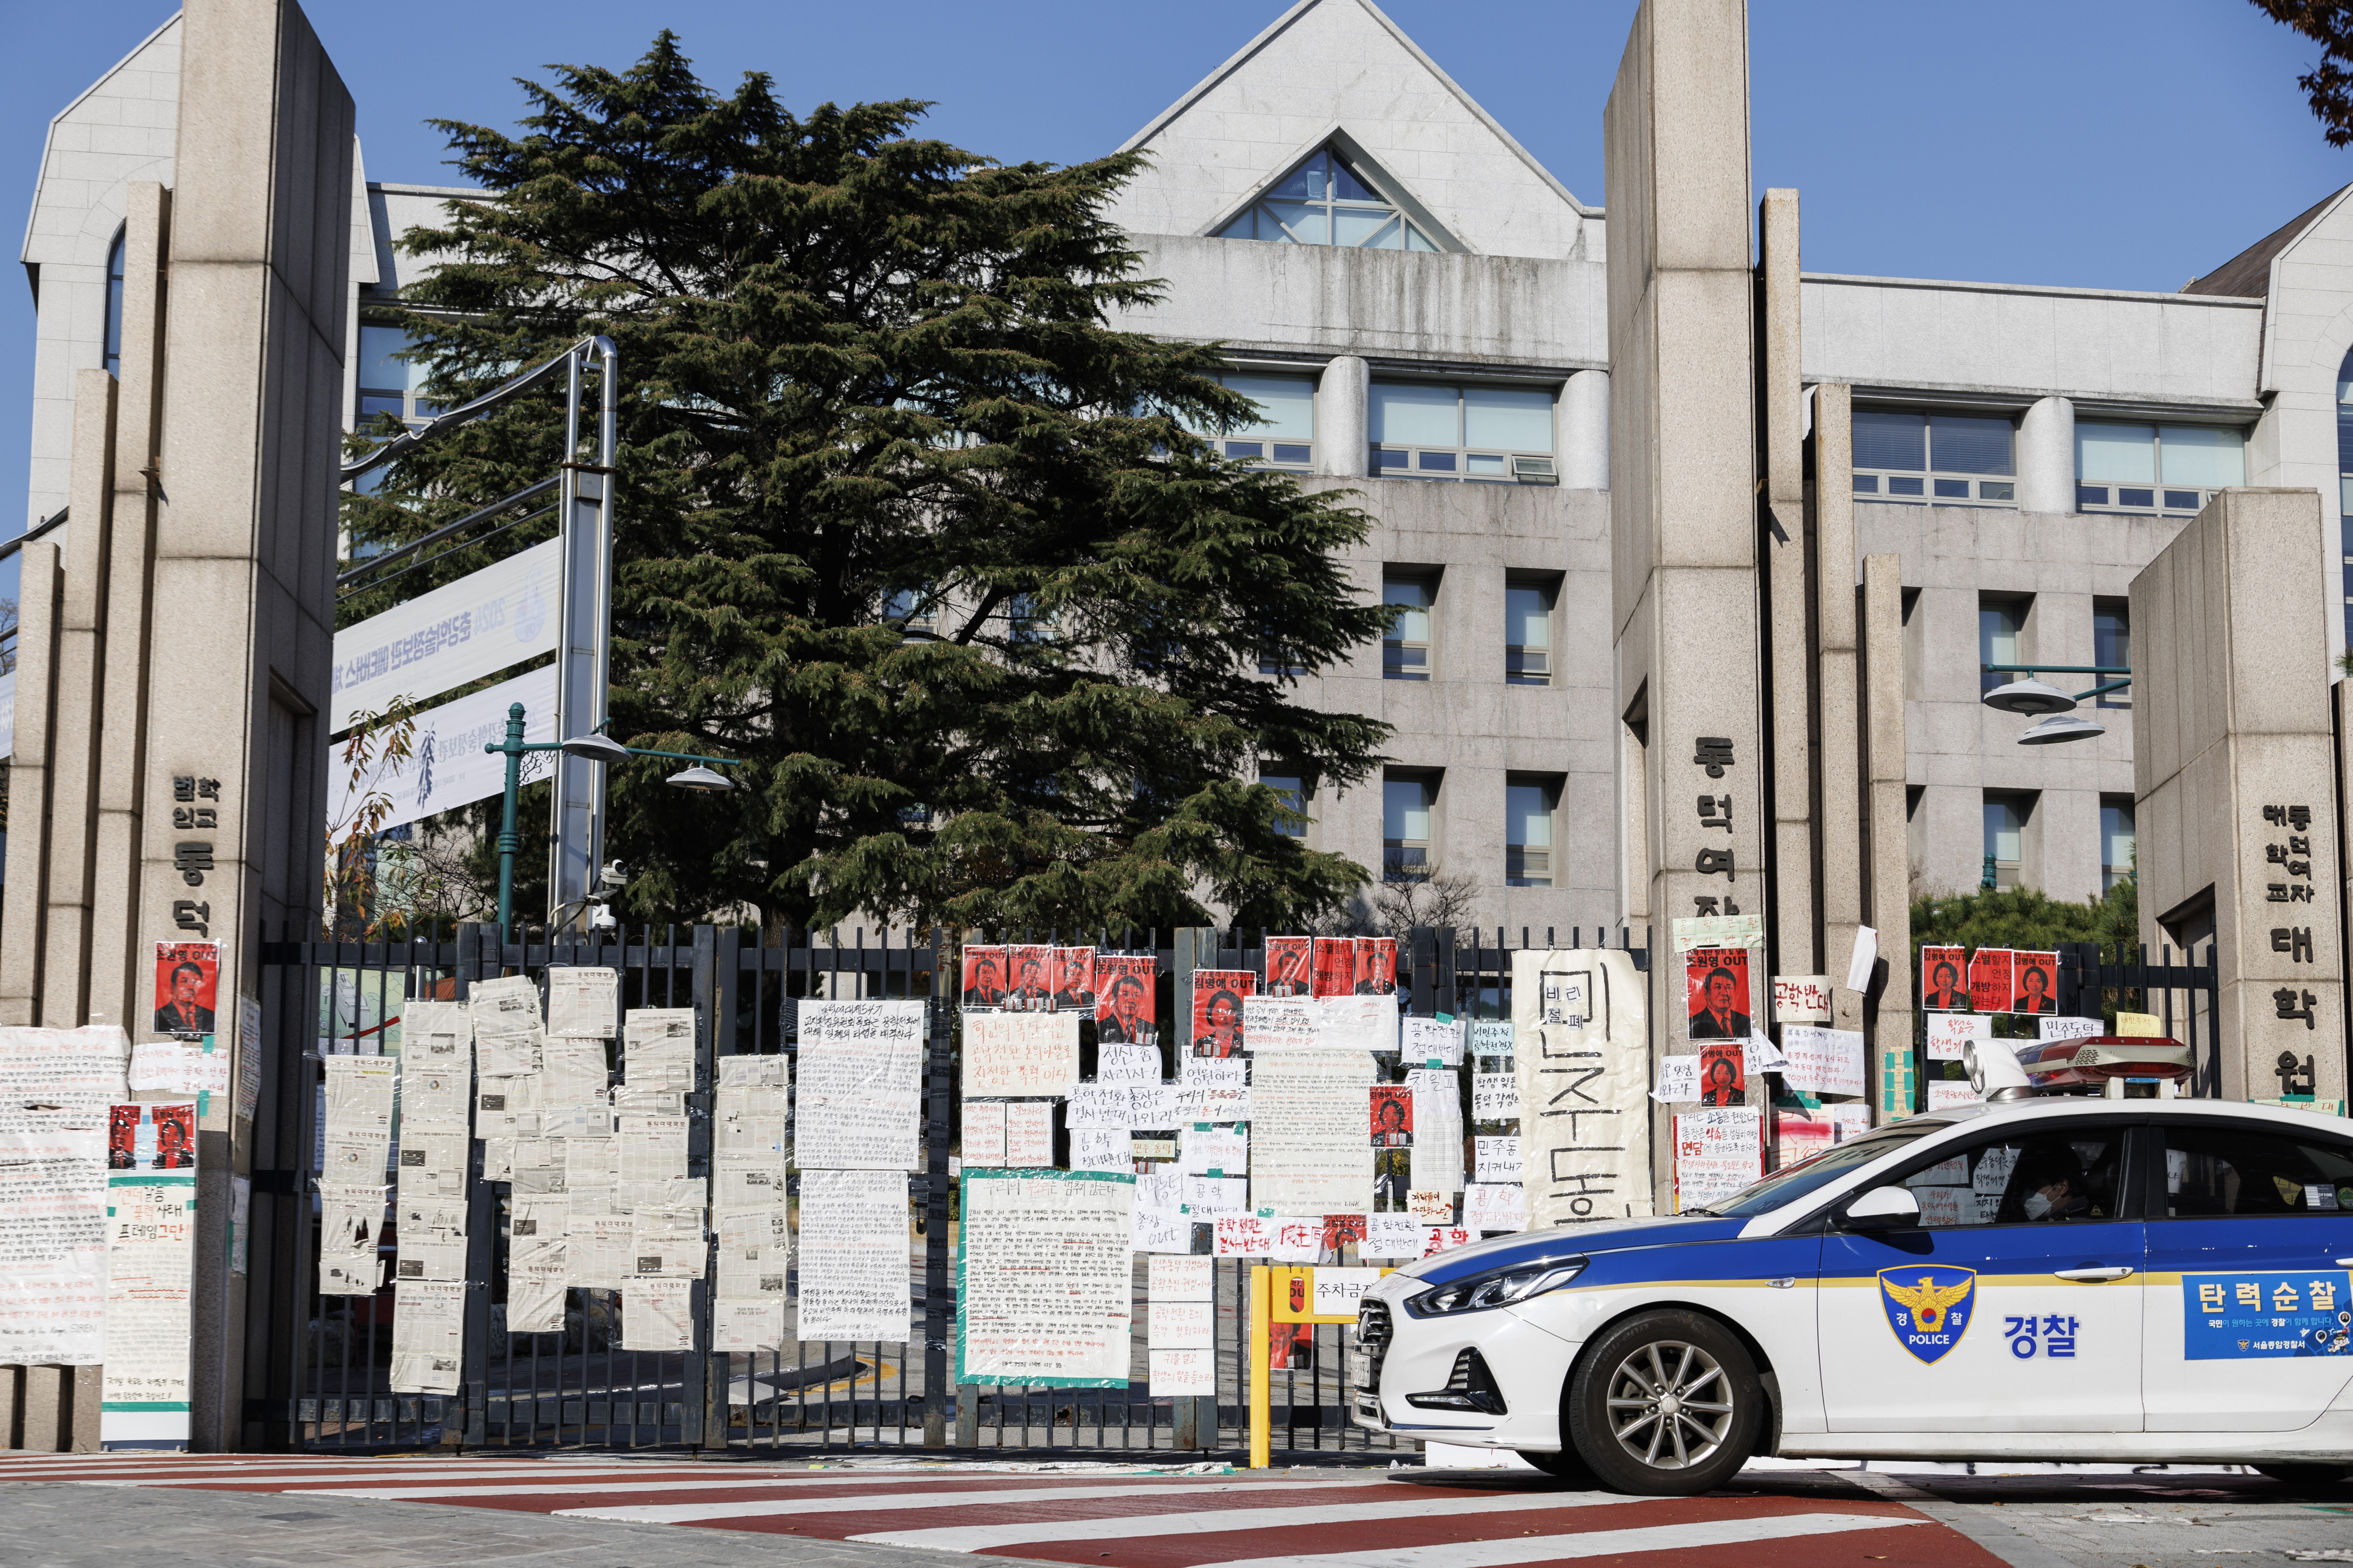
(987,1537)
(798,1481)
(416,1473)
(689,1513)
(1598,1543)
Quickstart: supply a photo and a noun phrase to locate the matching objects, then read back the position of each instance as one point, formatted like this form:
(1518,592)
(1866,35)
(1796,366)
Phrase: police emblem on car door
(1928,1306)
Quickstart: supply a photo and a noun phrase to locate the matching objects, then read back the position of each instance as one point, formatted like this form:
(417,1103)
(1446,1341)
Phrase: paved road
(487,1512)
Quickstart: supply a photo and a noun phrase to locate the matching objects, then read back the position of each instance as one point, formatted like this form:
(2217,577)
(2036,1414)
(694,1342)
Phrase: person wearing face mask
(2051,1187)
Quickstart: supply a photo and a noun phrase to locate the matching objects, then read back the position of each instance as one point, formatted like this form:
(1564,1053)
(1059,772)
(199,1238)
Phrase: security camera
(612,879)
(600,918)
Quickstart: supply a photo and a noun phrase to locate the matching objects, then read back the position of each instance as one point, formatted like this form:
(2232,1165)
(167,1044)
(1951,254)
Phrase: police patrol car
(2038,1279)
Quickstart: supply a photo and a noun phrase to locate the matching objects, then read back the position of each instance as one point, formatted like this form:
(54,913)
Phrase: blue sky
(2117,143)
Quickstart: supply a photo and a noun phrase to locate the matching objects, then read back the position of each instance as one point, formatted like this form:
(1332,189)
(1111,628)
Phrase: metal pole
(584,654)
(510,842)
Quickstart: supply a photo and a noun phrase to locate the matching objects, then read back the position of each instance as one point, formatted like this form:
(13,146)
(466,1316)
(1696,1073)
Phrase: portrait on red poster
(1715,992)
(1074,979)
(1942,973)
(1288,972)
(1376,966)
(1217,1010)
(151,1137)
(1392,1116)
(1336,966)
(1720,1064)
(1124,999)
(2035,977)
(1028,978)
(984,977)
(1989,979)
(187,983)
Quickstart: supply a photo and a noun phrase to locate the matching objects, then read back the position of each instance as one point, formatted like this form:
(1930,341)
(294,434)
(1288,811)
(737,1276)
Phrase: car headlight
(1496,1286)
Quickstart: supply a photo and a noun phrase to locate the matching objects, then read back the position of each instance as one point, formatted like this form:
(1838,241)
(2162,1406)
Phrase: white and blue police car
(2034,1279)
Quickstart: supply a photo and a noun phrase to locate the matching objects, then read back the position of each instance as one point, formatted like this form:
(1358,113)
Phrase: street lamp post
(593,747)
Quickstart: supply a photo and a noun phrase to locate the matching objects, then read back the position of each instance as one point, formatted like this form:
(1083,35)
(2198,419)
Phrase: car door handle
(2092,1276)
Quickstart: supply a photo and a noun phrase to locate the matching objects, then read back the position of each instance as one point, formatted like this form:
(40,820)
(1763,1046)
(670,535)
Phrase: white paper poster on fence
(1824,1061)
(1308,1153)
(151,1224)
(53,1238)
(428,1335)
(448,767)
(485,621)
(855,1277)
(1949,1034)
(1017,1054)
(86,1068)
(860,1065)
(1044,1279)
(1718,1151)
(1584,1084)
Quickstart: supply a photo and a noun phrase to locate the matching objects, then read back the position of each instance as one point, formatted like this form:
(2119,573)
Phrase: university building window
(1958,460)
(1405,650)
(1328,200)
(1407,800)
(1528,806)
(2112,649)
(2115,842)
(1487,434)
(1999,621)
(2155,468)
(1527,634)
(1293,788)
(2344,481)
(2005,836)
(1285,435)
(114,306)
(389,385)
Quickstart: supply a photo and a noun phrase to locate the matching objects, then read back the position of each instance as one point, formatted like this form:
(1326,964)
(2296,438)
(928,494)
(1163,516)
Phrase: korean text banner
(1582,1051)
(485,621)
(448,767)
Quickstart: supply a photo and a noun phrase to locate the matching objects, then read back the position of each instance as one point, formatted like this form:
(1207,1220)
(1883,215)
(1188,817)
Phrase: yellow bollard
(1261,1350)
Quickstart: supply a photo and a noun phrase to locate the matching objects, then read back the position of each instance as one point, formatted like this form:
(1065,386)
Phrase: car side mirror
(1884,1208)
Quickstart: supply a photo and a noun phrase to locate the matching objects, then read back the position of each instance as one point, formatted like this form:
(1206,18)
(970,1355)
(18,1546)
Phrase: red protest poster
(1074,979)
(1942,971)
(151,1137)
(1375,966)
(1217,1010)
(1124,994)
(1989,976)
(984,977)
(2034,980)
(1715,992)
(187,981)
(1720,1064)
(1288,971)
(1029,978)
(1336,966)
(1392,1116)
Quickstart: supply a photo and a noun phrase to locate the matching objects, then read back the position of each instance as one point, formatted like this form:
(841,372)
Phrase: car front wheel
(1666,1405)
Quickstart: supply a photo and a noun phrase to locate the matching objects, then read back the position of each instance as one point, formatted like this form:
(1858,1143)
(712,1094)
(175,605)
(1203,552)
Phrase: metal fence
(578,1388)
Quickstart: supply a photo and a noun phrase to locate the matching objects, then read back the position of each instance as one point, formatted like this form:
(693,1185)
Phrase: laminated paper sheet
(428,1333)
(1308,1152)
(1126,1064)
(1096,1105)
(749,1327)
(657,1050)
(1392,1236)
(86,1068)
(1584,1085)
(430,1254)
(755,1247)
(536,1298)
(1044,1280)
(1494,1207)
(1181,1280)
(1497,1160)
(1161,1231)
(668,1242)
(657,1315)
(1019,1053)
(436,1096)
(1437,1128)
(773,1070)
(861,1067)
(1203,1149)
(1181,1325)
(746,1179)
(854,1271)
(1824,1061)
(150,1265)
(581,1003)
(596,1253)
(508,1027)
(572,1072)
(650,1151)
(984,1133)
(433,1165)
(439,1036)
(52,1236)
(539,1229)
(1029,1133)
(1193,1372)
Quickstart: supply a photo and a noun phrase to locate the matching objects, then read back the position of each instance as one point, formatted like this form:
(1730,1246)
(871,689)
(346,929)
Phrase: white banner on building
(461,631)
(448,767)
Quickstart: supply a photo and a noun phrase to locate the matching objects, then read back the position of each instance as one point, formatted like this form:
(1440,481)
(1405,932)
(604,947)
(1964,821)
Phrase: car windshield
(1787,1187)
